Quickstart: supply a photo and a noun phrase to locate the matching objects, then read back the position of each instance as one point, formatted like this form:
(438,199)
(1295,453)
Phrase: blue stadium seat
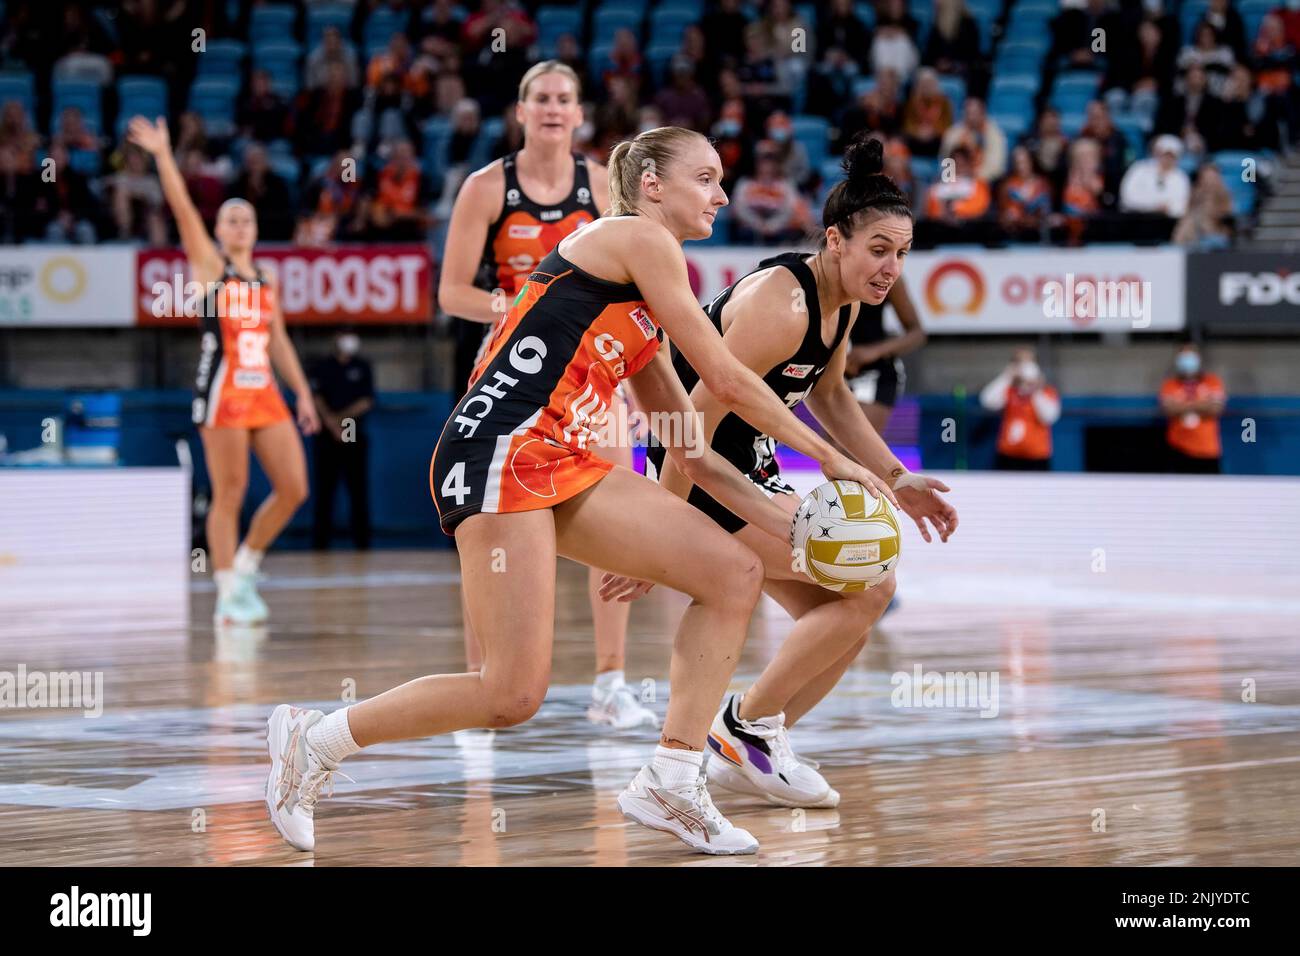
(866,13)
(272,23)
(1035,10)
(925,169)
(1013,125)
(553,22)
(1135,129)
(659,55)
(1027,28)
(1192,11)
(214,100)
(832,171)
(1072,122)
(814,133)
(636,7)
(954,87)
(87,97)
(693,7)
(140,96)
(288,168)
(437,137)
(598,61)
(1074,90)
(1024,83)
(1012,101)
(20,87)
(489,132)
(607,22)
(223,58)
(280,60)
(667,26)
(381,26)
(1244,196)
(863,84)
(320,16)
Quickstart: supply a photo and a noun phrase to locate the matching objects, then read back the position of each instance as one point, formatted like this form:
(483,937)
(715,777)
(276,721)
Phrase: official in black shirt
(344,387)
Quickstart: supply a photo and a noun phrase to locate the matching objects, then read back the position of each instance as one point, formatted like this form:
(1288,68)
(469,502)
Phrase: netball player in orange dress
(237,404)
(515,480)
(507,217)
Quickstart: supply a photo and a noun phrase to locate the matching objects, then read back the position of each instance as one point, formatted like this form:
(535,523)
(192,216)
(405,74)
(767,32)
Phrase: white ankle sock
(331,738)
(677,768)
(225,583)
(247,561)
(607,682)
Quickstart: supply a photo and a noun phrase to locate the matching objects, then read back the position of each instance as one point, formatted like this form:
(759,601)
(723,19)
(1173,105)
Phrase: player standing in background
(874,365)
(237,404)
(507,217)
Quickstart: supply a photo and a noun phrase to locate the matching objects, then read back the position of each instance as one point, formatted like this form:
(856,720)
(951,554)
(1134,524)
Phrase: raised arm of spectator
(994,395)
(1047,406)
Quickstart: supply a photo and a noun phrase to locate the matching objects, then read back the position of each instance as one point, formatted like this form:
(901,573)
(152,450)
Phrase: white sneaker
(243,607)
(755,757)
(297,776)
(686,812)
(620,709)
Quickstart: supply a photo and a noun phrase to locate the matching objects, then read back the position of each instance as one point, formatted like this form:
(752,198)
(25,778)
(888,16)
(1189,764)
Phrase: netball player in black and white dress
(788,321)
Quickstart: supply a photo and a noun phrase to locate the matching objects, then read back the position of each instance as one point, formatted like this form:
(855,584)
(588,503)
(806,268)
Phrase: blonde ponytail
(652,150)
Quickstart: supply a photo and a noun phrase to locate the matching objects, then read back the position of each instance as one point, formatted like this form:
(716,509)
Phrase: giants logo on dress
(796,371)
(643,322)
(520,231)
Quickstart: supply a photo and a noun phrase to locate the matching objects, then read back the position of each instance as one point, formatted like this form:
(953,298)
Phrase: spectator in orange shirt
(963,199)
(397,211)
(1192,400)
(769,209)
(1029,408)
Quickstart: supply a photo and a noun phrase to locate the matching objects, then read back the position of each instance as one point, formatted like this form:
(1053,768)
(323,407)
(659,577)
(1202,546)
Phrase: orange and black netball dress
(234,387)
(521,438)
(526,231)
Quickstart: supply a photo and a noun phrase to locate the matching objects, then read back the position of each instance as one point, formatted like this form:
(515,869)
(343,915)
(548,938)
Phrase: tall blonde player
(790,321)
(237,404)
(514,473)
(507,217)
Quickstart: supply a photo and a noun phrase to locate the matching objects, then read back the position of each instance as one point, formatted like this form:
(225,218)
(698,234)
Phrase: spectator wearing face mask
(343,385)
(1029,407)
(1192,400)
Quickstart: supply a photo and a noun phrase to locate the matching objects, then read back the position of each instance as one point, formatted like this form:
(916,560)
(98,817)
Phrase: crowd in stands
(1002,120)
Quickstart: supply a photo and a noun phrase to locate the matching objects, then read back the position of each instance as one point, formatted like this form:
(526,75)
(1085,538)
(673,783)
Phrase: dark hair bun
(864,158)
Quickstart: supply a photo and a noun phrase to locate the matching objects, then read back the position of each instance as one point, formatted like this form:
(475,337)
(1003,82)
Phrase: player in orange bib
(515,480)
(507,217)
(237,403)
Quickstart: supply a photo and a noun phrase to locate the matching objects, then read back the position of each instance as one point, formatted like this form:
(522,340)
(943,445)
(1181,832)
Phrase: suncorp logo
(958,274)
(63,279)
(1259,288)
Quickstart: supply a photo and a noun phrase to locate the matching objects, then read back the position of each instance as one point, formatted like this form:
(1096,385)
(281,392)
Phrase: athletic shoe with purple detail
(755,757)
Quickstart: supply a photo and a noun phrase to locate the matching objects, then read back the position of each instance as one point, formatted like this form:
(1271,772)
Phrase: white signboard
(67,285)
(973,291)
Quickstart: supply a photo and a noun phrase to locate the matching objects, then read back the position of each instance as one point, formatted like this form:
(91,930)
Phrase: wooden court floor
(1120,735)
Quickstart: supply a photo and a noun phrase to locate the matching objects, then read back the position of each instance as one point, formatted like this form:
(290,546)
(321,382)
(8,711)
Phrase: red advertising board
(343,285)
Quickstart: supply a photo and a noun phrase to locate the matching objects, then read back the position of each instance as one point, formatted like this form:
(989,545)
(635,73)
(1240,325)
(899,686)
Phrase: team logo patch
(796,371)
(512,197)
(643,322)
(584,195)
(518,231)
